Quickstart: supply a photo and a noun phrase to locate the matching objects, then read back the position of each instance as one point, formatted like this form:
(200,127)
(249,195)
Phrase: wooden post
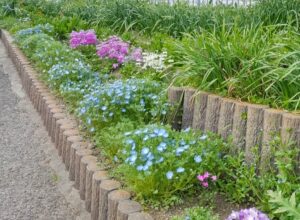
(291,132)
(199,116)
(175,96)
(83,164)
(91,168)
(127,207)
(255,121)
(272,126)
(78,156)
(226,118)
(212,113)
(98,177)
(188,108)
(114,198)
(239,127)
(106,187)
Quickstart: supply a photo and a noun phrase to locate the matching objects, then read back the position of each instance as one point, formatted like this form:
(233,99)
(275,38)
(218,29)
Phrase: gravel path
(33,181)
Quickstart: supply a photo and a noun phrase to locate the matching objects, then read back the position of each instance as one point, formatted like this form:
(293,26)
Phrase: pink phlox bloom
(214,178)
(205,184)
(201,178)
(206,175)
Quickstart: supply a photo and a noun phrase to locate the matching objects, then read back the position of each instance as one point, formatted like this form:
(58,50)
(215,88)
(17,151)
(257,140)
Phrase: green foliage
(110,146)
(197,213)
(242,184)
(287,208)
(259,64)
(161,165)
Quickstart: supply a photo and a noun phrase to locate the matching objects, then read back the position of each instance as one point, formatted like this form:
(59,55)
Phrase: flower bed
(160,166)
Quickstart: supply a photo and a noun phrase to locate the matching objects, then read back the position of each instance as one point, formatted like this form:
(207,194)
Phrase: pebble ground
(33,181)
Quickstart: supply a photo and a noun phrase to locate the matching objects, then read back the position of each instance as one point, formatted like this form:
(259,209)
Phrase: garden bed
(118,88)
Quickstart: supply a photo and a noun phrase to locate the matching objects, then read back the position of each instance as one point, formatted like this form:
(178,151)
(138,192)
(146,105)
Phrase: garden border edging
(103,197)
(248,124)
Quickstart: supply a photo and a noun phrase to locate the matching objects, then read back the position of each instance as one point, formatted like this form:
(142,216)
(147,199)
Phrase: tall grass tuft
(259,64)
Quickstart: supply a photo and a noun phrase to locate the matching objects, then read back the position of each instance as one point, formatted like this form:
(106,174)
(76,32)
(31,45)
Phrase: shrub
(161,164)
(137,99)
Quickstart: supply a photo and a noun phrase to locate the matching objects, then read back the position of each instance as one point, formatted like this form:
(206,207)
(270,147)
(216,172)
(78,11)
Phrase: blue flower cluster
(132,98)
(38,29)
(163,149)
(67,72)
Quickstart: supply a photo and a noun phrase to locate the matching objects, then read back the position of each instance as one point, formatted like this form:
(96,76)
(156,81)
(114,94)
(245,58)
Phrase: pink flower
(214,178)
(206,175)
(83,38)
(205,184)
(137,55)
(201,178)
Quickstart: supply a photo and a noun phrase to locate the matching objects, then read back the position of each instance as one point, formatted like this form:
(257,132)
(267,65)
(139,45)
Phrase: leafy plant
(161,163)
(287,208)
(197,213)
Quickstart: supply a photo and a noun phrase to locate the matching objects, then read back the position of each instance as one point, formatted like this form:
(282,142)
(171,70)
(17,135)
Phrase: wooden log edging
(103,195)
(249,126)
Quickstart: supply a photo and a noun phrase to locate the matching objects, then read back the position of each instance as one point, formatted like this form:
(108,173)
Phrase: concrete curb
(90,179)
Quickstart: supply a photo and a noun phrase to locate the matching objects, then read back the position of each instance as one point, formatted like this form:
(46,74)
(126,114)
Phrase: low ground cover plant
(168,162)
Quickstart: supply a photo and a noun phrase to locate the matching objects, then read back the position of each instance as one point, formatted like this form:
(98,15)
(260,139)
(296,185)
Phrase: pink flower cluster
(116,49)
(83,38)
(205,178)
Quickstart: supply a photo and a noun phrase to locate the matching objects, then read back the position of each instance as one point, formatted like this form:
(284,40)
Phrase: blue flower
(160,160)
(180,170)
(130,141)
(89,121)
(162,146)
(133,158)
(104,108)
(203,137)
(145,151)
(139,167)
(186,130)
(169,175)
(148,163)
(193,142)
(198,159)
(179,151)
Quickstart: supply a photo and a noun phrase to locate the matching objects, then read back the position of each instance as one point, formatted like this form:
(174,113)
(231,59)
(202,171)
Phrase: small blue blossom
(104,108)
(203,137)
(180,170)
(145,151)
(140,167)
(169,175)
(198,159)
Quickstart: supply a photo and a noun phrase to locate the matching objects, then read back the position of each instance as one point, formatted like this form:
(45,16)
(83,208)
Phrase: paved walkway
(33,181)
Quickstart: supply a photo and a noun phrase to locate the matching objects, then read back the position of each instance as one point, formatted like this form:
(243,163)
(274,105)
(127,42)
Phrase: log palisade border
(104,198)
(248,125)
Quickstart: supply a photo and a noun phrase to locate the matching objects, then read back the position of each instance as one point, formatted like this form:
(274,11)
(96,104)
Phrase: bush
(137,99)
(161,165)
